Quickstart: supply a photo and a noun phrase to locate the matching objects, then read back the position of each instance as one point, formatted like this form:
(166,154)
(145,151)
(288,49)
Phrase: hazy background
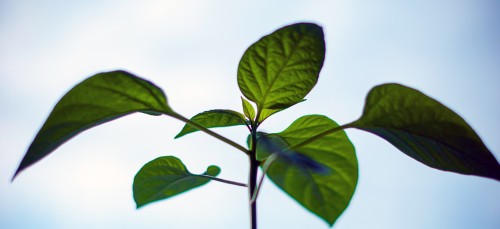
(449,49)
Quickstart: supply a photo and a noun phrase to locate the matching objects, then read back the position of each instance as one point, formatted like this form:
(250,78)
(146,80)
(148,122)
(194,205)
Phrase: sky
(448,49)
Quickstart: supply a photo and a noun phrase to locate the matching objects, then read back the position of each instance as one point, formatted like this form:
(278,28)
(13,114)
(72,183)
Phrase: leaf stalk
(252,178)
(224,181)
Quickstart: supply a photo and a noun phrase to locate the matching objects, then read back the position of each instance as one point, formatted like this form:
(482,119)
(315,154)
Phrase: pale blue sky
(449,49)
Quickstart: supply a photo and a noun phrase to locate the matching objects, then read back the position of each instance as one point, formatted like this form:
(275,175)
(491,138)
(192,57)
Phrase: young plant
(312,160)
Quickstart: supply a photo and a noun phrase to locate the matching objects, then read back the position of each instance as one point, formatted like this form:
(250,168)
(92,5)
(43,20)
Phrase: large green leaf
(280,69)
(96,100)
(426,130)
(165,177)
(321,174)
(214,118)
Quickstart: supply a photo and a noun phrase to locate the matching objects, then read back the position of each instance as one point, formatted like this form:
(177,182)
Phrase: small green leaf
(165,177)
(98,99)
(214,118)
(322,174)
(280,69)
(426,130)
(248,109)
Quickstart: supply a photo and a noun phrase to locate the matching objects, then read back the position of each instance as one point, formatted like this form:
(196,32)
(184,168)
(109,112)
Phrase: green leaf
(165,177)
(214,118)
(266,113)
(273,144)
(280,69)
(98,99)
(248,109)
(322,174)
(426,130)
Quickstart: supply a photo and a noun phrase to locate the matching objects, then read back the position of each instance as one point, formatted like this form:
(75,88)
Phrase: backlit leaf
(248,109)
(98,99)
(280,69)
(214,118)
(165,177)
(426,130)
(322,174)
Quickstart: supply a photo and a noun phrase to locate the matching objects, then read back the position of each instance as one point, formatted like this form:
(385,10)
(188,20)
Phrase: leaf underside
(98,99)
(214,118)
(426,130)
(165,177)
(280,69)
(321,175)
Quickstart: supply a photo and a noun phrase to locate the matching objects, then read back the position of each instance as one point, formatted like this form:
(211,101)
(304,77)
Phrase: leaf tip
(182,133)
(18,170)
(14,177)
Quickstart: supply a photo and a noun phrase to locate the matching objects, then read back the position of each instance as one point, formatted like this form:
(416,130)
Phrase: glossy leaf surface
(214,118)
(280,69)
(321,175)
(426,130)
(98,99)
(165,177)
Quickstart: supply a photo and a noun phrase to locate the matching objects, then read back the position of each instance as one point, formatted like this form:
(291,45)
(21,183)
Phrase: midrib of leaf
(232,114)
(164,105)
(388,115)
(409,146)
(209,132)
(158,194)
(303,129)
(310,179)
(400,129)
(314,185)
(294,49)
(87,105)
(425,137)
(113,91)
(294,84)
(115,114)
(320,135)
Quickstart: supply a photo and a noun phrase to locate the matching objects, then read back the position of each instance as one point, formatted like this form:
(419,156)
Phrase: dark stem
(224,181)
(265,167)
(254,165)
(252,179)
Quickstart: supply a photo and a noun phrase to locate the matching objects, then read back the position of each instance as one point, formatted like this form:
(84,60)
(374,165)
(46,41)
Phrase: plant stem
(265,167)
(252,179)
(254,165)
